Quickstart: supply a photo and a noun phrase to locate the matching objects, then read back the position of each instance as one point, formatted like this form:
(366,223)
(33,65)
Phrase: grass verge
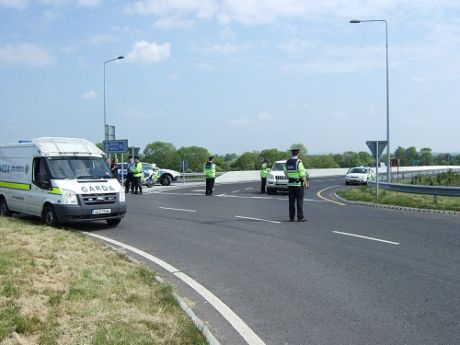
(368,194)
(59,287)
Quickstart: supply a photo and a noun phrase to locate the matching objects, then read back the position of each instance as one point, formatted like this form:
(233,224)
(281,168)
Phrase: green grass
(59,287)
(449,178)
(368,194)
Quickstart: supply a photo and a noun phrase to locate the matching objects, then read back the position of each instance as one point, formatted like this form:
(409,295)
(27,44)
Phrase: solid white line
(249,188)
(176,209)
(365,237)
(236,191)
(260,220)
(152,258)
(238,324)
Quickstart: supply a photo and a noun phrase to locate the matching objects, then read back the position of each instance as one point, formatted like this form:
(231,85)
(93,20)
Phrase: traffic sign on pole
(376,148)
(116,146)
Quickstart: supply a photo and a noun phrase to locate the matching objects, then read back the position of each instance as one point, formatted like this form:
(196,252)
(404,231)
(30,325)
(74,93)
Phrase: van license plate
(102,211)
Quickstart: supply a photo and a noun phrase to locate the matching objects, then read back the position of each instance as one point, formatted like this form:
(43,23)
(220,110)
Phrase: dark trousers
(137,185)
(129,182)
(263,183)
(296,197)
(209,185)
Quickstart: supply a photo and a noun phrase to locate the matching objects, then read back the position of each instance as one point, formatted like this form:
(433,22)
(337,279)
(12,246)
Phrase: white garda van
(60,180)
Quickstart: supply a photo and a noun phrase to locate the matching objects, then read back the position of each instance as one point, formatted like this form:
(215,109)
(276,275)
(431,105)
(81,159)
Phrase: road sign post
(376,148)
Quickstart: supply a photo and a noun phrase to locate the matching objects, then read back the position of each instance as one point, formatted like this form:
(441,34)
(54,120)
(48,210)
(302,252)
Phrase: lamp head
(354,21)
(120,57)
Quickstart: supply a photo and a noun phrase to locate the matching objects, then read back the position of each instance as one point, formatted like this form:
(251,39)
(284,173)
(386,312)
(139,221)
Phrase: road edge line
(228,314)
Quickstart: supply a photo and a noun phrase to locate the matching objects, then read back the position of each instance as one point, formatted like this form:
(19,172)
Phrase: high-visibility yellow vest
(264,170)
(295,172)
(137,169)
(209,170)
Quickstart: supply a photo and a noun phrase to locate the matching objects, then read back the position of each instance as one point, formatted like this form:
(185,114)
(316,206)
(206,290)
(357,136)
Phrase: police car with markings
(60,180)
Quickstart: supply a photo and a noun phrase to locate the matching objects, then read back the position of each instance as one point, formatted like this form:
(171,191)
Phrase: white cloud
(253,121)
(88,3)
(18,4)
(223,49)
(173,23)
(90,94)
(199,8)
(103,38)
(25,54)
(254,12)
(149,52)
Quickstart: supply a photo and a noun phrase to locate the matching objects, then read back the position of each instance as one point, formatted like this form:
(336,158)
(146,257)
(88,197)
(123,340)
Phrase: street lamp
(106,134)
(388,96)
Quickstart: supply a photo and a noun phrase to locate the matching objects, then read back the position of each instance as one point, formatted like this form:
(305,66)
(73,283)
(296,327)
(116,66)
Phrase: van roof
(57,146)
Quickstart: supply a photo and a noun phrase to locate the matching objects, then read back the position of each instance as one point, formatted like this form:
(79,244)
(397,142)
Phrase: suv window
(278,166)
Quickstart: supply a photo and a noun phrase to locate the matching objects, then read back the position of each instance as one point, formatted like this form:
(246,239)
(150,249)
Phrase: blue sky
(232,75)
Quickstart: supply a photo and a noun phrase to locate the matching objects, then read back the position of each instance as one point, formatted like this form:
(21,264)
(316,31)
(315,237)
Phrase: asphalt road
(305,283)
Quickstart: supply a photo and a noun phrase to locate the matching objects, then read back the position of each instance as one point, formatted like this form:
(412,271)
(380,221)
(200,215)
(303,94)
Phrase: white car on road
(276,180)
(359,175)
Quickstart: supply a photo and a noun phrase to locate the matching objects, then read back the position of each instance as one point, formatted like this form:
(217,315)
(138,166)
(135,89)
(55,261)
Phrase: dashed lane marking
(365,237)
(176,209)
(259,219)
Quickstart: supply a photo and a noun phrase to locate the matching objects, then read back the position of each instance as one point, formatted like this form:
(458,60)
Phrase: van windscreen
(78,168)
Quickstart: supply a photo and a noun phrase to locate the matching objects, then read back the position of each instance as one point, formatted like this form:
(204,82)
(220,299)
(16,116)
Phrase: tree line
(165,155)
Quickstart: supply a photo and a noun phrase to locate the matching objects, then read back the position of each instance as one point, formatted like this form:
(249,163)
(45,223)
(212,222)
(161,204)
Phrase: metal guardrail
(429,190)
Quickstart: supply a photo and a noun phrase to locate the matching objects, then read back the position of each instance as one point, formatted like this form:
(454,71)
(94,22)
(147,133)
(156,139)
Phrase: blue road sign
(116,146)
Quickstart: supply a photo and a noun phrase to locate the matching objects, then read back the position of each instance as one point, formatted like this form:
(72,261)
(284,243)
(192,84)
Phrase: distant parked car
(165,176)
(359,175)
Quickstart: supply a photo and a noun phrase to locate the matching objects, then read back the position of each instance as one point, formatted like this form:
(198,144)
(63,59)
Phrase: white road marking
(172,193)
(249,188)
(236,191)
(260,220)
(176,209)
(238,324)
(366,237)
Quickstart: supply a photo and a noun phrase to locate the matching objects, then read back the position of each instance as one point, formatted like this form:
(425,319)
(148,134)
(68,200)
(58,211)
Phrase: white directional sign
(376,148)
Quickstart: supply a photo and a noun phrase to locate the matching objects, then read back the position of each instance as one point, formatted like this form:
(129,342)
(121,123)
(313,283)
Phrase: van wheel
(150,183)
(114,222)
(4,210)
(49,216)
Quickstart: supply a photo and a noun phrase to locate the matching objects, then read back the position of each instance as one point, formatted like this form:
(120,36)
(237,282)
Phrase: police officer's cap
(295,149)
(136,157)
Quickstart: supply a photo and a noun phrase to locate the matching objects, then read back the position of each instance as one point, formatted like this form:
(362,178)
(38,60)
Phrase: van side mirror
(43,182)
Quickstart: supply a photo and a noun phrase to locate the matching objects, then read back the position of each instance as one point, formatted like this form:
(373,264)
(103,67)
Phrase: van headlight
(70,198)
(122,195)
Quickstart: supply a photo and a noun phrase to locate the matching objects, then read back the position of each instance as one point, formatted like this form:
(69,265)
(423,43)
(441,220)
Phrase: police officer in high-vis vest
(295,172)
(137,171)
(209,172)
(264,170)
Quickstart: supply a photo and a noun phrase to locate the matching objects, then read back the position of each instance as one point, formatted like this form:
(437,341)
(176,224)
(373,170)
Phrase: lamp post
(106,134)
(387,82)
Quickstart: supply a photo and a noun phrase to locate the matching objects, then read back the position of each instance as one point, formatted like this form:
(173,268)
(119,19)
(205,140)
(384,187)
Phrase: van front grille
(99,199)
